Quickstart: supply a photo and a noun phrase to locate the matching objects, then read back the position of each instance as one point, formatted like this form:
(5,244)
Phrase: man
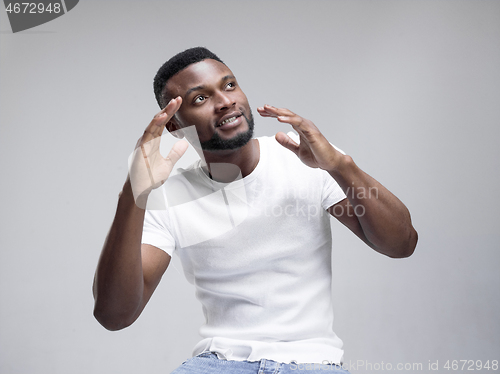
(250,231)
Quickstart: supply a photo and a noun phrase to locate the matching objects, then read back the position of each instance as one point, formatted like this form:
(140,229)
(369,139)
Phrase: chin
(216,143)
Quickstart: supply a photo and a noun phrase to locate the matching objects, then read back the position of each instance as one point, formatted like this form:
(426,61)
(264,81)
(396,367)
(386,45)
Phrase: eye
(231,85)
(199,99)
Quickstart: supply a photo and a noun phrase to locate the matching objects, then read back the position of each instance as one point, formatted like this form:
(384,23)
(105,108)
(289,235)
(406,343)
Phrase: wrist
(343,166)
(127,196)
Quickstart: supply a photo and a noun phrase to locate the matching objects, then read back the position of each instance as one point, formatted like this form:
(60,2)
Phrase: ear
(174,128)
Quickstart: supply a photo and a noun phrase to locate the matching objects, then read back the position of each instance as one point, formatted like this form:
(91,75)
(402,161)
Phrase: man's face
(213,102)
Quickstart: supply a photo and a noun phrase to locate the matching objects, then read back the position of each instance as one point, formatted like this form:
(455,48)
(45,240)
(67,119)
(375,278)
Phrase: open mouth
(229,120)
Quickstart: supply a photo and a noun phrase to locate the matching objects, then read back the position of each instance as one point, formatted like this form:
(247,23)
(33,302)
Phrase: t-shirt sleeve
(332,193)
(157,232)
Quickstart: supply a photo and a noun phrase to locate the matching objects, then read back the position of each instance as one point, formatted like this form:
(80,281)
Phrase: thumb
(287,142)
(176,152)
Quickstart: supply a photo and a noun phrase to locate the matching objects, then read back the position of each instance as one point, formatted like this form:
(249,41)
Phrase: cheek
(199,120)
(188,118)
(242,98)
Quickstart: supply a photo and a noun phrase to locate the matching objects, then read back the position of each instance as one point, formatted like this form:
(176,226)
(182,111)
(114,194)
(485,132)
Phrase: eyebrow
(228,77)
(197,88)
(201,87)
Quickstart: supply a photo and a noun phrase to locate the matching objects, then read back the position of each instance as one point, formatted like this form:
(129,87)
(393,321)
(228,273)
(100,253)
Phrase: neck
(225,166)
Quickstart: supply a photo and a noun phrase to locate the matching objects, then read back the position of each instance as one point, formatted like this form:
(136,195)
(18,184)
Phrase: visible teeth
(228,120)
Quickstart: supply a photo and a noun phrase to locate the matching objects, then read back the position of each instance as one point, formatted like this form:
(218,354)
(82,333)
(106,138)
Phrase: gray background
(410,89)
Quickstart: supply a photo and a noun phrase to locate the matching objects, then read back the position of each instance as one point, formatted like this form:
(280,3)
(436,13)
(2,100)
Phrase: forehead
(204,73)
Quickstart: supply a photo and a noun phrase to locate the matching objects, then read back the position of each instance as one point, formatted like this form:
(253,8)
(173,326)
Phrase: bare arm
(128,272)
(371,211)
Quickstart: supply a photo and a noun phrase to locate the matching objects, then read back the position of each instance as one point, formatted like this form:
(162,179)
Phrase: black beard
(216,143)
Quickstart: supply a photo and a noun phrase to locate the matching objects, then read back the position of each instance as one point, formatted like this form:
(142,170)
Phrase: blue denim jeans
(208,363)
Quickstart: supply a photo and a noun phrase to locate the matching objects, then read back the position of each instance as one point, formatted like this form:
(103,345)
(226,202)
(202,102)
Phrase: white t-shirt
(258,252)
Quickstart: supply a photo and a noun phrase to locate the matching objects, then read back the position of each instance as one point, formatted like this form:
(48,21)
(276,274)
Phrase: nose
(224,101)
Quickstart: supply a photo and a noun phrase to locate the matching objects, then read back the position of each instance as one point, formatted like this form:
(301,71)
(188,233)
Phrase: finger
(264,113)
(262,109)
(282,115)
(267,111)
(275,112)
(172,107)
(156,126)
(287,142)
(295,121)
(167,113)
(292,120)
(176,152)
(303,126)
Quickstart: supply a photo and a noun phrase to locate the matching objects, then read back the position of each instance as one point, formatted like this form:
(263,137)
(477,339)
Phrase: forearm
(118,283)
(384,219)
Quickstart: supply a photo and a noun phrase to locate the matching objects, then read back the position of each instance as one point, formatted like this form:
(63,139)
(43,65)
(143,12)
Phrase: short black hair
(177,63)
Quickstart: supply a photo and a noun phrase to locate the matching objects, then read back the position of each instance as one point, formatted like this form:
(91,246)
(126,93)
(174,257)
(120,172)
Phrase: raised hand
(314,149)
(148,169)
